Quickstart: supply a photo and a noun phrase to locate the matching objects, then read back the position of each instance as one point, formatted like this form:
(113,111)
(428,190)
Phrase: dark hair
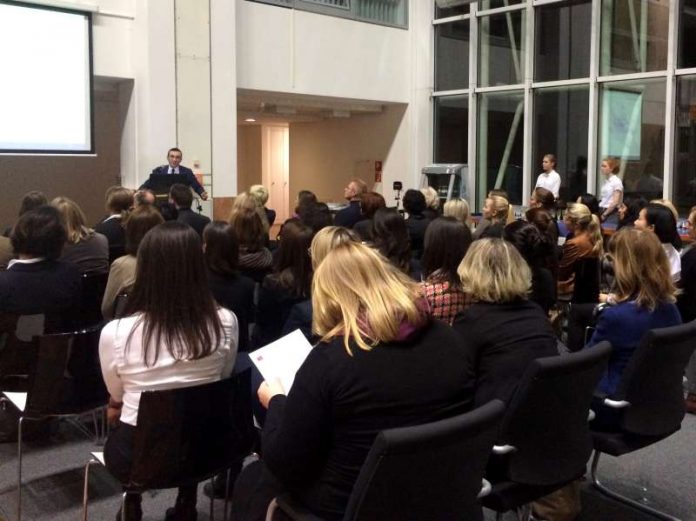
(221,248)
(316,216)
(414,202)
(119,199)
(292,268)
(175,150)
(664,225)
(390,237)
(39,232)
(370,202)
(139,198)
(32,200)
(304,197)
(140,221)
(633,207)
(249,229)
(171,291)
(529,241)
(181,195)
(545,198)
(446,242)
(590,201)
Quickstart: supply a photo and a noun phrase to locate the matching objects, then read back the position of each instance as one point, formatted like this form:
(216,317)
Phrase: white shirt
(611,184)
(126,375)
(674,261)
(549,180)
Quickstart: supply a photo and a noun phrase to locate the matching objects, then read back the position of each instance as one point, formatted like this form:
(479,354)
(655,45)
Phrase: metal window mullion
(449,19)
(670,104)
(593,108)
(501,88)
(528,122)
(684,72)
(560,83)
(632,76)
(453,92)
(473,107)
(499,10)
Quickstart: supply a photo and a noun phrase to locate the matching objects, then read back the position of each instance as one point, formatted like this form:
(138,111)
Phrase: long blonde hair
(641,268)
(327,239)
(358,294)
(459,209)
(586,222)
(74,219)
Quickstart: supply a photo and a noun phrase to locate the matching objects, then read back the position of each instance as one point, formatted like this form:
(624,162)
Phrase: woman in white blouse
(611,193)
(174,335)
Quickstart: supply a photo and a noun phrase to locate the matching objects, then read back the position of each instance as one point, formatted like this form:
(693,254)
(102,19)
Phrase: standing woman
(586,242)
(549,178)
(612,190)
(174,336)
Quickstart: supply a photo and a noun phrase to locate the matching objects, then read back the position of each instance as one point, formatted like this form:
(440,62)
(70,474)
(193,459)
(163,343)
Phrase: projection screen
(46,90)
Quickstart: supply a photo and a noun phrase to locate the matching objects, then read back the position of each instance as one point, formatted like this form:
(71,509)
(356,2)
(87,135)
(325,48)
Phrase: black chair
(545,440)
(587,279)
(64,380)
(19,336)
(187,435)
(89,309)
(120,304)
(649,402)
(424,472)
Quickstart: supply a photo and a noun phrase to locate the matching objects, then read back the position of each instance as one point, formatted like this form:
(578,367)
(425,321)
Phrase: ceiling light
(250,120)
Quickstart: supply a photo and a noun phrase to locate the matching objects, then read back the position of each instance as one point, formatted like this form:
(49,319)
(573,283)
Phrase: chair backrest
(187,434)
(652,381)
(66,376)
(93,286)
(120,303)
(424,472)
(18,346)
(547,418)
(586,287)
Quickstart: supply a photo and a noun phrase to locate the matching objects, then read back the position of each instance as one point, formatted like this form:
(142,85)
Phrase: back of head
(260,193)
(586,222)
(390,237)
(359,296)
(457,208)
(304,197)
(32,200)
(181,195)
(247,223)
(221,248)
(526,237)
(414,202)
(641,269)
(118,199)
(501,207)
(316,215)
(432,200)
(669,205)
(446,242)
(590,201)
(661,218)
(327,239)
(370,202)
(293,266)
(73,219)
(544,197)
(140,221)
(39,233)
(499,193)
(144,197)
(633,207)
(494,271)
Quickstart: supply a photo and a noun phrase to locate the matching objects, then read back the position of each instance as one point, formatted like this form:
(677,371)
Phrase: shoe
(690,403)
(134,511)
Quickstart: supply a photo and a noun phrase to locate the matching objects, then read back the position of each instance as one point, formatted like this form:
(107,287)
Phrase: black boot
(134,511)
(185,507)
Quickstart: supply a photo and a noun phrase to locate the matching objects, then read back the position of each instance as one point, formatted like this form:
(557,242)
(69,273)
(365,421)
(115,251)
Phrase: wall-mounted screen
(46,87)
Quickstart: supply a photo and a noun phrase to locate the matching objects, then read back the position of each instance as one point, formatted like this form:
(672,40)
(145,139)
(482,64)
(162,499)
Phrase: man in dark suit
(180,196)
(350,215)
(174,166)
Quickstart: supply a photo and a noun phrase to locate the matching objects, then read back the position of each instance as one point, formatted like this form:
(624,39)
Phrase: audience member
(417,222)
(381,363)
(543,199)
(182,198)
(686,301)
(6,254)
(548,228)
(502,331)
(144,197)
(496,211)
(316,216)
(260,193)
(432,203)
(586,242)
(304,197)
(446,243)
(612,190)
(459,209)
(390,237)
(629,210)
(351,214)
(370,202)
(255,259)
(590,201)
(84,248)
(122,271)
(119,201)
(658,218)
(175,336)
(30,201)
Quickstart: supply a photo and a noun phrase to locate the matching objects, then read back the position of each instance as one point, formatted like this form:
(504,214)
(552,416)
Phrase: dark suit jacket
(190,178)
(113,230)
(348,216)
(417,225)
(236,293)
(193,219)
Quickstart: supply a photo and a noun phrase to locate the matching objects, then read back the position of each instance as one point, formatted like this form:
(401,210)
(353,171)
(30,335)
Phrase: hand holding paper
(281,359)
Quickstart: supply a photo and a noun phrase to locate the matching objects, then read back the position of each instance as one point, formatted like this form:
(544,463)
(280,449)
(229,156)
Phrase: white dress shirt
(551,181)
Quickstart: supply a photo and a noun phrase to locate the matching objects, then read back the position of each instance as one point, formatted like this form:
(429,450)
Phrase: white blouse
(611,185)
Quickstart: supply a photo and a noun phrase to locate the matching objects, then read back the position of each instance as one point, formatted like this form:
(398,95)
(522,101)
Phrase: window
(452,55)
(451,129)
(501,59)
(684,184)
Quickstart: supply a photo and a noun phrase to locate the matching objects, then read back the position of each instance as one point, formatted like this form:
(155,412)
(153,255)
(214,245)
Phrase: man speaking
(174,167)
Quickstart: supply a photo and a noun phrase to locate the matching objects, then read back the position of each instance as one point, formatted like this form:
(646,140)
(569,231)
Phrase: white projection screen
(46,87)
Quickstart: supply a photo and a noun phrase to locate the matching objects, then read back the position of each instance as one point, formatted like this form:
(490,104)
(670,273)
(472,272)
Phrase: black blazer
(193,219)
(416,225)
(236,293)
(114,232)
(190,178)
(348,216)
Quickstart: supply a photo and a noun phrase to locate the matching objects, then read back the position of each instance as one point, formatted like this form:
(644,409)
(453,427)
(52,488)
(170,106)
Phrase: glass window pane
(634,36)
(500,145)
(684,183)
(563,41)
(452,55)
(632,128)
(444,12)
(560,128)
(451,129)
(501,57)
(687,35)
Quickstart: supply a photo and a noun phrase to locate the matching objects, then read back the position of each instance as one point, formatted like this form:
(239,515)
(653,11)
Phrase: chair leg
(212,498)
(123,506)
(85,491)
(623,499)
(19,467)
(227,494)
(272,507)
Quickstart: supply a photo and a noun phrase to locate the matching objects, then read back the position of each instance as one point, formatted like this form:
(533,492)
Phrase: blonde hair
(327,239)
(641,268)
(358,294)
(246,203)
(503,209)
(74,219)
(432,200)
(260,193)
(586,222)
(494,271)
(669,205)
(459,209)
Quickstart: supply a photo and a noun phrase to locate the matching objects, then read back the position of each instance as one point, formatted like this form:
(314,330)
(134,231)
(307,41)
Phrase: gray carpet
(663,475)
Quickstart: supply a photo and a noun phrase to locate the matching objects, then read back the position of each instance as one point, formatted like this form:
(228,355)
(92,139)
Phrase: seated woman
(230,289)
(659,219)
(502,330)
(644,299)
(544,199)
(255,259)
(391,238)
(84,248)
(459,209)
(370,202)
(381,363)
(686,302)
(417,221)
(174,336)
(432,203)
(290,282)
(629,210)
(446,243)
(119,201)
(496,212)
(586,242)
